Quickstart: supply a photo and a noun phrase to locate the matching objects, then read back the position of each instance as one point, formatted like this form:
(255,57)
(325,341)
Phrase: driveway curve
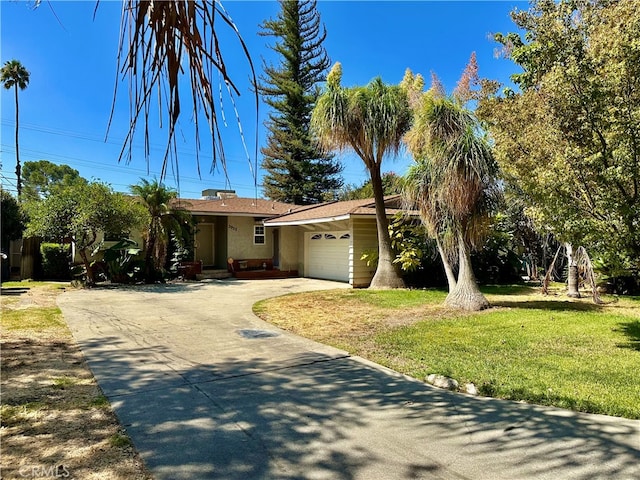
(206,390)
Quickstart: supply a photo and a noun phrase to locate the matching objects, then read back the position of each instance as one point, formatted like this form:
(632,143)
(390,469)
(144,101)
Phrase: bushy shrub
(56,260)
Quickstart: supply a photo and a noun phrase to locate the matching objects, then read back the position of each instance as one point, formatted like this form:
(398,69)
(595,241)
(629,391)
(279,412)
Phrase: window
(345,236)
(329,236)
(317,236)
(258,235)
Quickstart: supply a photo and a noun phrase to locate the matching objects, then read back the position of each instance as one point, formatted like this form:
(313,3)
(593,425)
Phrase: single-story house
(231,227)
(322,241)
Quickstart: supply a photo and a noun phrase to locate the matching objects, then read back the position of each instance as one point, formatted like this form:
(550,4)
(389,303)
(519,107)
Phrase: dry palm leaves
(160,43)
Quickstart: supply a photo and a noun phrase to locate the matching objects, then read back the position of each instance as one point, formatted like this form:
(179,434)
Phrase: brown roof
(336,210)
(236,206)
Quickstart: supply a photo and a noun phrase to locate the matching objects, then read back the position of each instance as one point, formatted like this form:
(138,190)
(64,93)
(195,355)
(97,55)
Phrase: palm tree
(164,219)
(452,184)
(371,121)
(13,74)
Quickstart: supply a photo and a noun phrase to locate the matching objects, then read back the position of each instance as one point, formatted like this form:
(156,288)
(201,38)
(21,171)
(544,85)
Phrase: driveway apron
(205,389)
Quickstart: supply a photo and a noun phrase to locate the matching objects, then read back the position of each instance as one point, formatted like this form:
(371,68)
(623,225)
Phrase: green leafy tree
(391,185)
(14,75)
(163,220)
(371,121)
(12,220)
(80,213)
(570,137)
(41,177)
(451,183)
(298,170)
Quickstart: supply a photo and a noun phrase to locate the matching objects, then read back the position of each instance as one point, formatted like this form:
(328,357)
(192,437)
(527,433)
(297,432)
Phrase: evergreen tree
(298,169)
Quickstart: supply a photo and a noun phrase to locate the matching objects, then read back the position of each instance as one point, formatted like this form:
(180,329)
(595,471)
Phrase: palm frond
(157,39)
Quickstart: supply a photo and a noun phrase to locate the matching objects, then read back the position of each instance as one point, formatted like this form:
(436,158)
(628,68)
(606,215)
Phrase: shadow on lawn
(317,416)
(632,331)
(551,305)
(60,416)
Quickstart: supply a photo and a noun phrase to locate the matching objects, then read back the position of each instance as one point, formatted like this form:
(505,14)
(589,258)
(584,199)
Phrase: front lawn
(546,350)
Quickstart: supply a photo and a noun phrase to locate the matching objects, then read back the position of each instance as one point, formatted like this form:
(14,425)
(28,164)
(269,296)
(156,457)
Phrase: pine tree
(298,170)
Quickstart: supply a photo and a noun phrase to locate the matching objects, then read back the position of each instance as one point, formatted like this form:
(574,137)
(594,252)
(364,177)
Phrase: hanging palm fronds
(549,275)
(586,272)
(162,43)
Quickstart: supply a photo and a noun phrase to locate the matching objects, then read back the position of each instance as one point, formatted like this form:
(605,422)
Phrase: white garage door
(328,255)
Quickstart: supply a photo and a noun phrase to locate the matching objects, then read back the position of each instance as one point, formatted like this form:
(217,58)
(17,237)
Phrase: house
(231,227)
(322,241)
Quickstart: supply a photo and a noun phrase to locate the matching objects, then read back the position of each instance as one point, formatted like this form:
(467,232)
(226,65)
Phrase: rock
(441,381)
(471,389)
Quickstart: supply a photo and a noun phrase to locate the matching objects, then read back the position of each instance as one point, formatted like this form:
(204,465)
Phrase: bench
(246,264)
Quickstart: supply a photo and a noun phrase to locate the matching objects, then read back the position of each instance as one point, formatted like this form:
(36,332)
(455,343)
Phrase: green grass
(398,298)
(36,284)
(585,361)
(64,382)
(547,350)
(33,319)
(120,440)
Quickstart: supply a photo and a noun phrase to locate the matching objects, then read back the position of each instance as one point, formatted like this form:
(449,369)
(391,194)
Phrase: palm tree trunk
(387,275)
(91,280)
(466,295)
(18,167)
(572,278)
(149,260)
(448,269)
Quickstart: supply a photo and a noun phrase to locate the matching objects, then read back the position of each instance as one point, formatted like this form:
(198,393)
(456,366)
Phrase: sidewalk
(207,390)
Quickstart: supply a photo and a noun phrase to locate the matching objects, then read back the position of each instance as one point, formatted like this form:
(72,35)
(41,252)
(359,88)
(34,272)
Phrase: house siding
(135,236)
(365,237)
(240,239)
(289,248)
(302,252)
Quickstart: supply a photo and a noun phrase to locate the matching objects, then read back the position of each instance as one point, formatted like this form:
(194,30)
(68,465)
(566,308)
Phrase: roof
(334,211)
(236,206)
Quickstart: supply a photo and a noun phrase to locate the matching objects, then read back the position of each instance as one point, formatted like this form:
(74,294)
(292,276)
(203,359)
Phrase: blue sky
(72,60)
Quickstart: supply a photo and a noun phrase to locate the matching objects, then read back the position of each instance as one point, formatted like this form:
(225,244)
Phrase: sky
(72,59)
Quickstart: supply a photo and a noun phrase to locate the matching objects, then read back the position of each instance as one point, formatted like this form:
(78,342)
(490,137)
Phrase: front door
(204,245)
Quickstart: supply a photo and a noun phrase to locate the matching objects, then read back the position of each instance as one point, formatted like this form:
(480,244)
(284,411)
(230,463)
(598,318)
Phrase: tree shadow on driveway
(321,416)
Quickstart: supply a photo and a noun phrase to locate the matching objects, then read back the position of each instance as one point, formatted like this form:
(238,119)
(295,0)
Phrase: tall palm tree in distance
(371,121)
(14,75)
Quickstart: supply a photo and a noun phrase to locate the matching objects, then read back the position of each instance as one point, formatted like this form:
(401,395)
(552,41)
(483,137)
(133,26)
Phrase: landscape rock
(441,381)
(471,389)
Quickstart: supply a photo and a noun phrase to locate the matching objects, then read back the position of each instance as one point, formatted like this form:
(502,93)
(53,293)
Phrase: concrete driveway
(207,390)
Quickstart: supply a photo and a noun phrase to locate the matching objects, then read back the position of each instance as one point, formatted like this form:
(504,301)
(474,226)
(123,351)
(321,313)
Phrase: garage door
(328,255)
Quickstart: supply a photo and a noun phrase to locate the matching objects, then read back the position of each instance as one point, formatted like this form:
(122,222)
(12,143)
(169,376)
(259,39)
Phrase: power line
(155,147)
(119,168)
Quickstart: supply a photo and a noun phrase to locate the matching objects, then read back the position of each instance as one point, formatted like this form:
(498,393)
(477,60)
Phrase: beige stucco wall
(364,237)
(240,239)
(135,236)
(289,248)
